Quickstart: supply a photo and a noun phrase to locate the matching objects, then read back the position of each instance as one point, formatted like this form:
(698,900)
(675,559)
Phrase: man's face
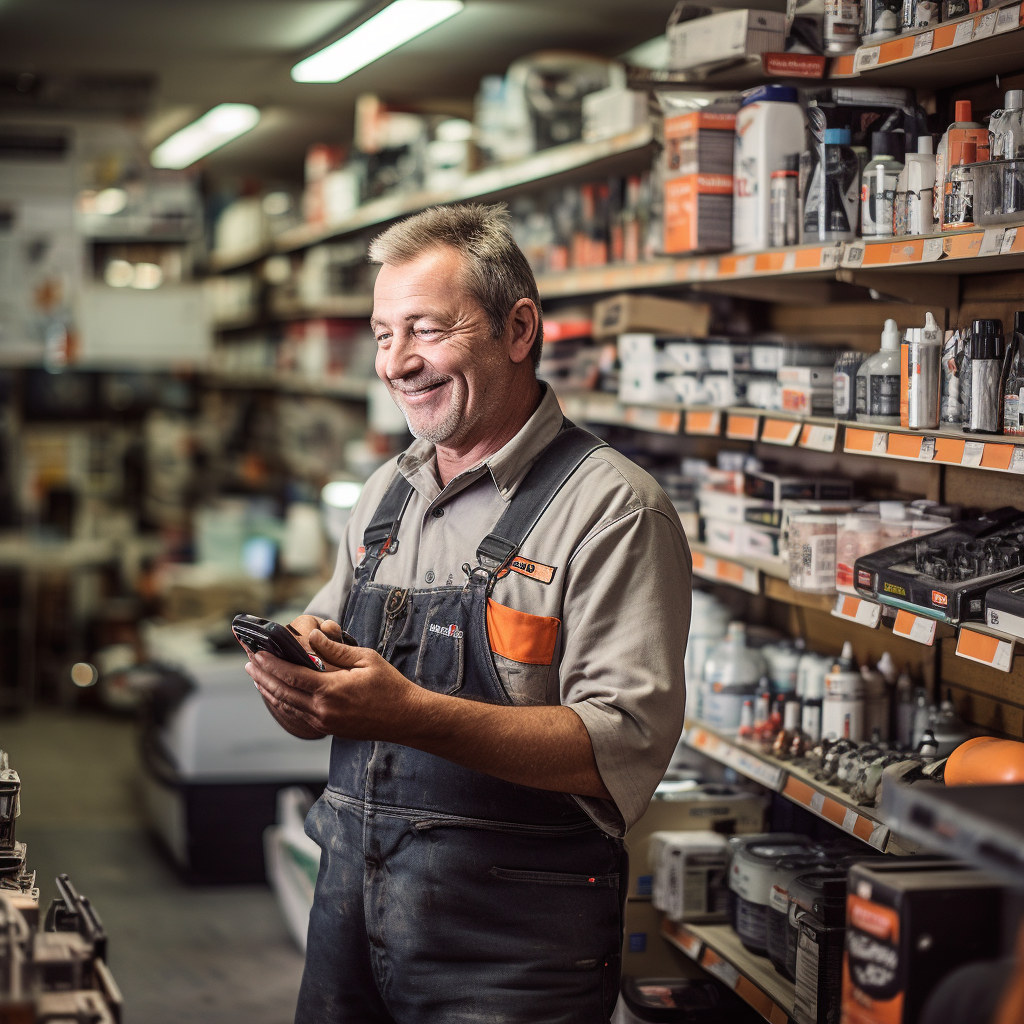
(435,350)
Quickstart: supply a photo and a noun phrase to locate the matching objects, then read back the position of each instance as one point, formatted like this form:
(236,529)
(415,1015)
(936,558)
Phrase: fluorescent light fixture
(385,31)
(214,129)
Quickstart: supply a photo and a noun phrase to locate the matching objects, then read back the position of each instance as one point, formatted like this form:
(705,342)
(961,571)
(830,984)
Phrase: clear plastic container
(998,191)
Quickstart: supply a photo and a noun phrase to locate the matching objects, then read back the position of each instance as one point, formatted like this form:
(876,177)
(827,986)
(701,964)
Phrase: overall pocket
(440,661)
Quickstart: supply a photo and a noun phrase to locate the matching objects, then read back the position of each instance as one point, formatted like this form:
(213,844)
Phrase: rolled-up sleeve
(626,615)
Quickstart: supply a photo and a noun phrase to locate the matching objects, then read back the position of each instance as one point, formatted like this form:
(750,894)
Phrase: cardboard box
(698,213)
(726,35)
(646,953)
(710,807)
(908,925)
(622,314)
(613,111)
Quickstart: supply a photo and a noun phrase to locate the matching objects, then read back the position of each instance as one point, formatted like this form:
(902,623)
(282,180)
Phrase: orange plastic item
(986,761)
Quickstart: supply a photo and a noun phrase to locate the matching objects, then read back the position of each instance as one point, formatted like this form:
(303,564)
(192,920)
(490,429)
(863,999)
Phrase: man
(515,596)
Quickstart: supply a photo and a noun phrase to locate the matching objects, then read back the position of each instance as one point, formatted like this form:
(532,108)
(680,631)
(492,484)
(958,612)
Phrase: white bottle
(915,191)
(878,381)
(769,127)
(842,712)
(731,676)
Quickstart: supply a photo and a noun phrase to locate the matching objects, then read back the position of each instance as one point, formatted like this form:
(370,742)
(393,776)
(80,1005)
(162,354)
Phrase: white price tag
(927,452)
(867,57)
(723,971)
(879,443)
(973,451)
(964,32)
(991,242)
(923,43)
(1017,460)
(853,255)
(986,25)
(1009,237)
(789,261)
(915,627)
(1008,19)
(931,250)
(830,257)
(693,271)
(821,438)
(745,266)
(856,609)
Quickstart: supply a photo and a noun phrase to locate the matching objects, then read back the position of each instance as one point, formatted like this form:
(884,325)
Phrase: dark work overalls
(446,895)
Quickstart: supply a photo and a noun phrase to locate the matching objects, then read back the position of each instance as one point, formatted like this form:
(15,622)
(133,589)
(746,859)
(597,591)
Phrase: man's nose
(402,358)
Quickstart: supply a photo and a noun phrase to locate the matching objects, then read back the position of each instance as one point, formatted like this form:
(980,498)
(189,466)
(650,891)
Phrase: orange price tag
(915,627)
(783,432)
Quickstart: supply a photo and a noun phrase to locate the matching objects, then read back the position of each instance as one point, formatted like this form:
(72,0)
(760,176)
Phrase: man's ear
(521,329)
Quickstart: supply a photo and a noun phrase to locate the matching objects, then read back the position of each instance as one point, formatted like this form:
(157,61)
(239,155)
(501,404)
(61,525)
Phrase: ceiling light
(111,201)
(385,31)
(214,129)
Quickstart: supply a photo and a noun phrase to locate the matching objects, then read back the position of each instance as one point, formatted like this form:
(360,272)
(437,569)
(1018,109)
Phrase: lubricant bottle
(878,381)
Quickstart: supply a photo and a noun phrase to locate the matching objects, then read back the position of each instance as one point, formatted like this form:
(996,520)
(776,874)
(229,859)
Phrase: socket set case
(1004,608)
(946,574)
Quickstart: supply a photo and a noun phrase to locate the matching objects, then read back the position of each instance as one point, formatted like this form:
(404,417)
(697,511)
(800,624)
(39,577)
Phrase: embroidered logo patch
(535,570)
(451,630)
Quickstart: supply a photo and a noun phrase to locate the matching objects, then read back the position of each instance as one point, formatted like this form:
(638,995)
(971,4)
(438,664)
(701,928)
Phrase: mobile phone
(255,634)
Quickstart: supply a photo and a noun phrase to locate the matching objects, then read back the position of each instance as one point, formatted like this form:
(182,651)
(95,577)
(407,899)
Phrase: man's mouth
(418,390)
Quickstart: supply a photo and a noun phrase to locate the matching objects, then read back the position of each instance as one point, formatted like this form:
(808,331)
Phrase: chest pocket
(520,636)
(441,640)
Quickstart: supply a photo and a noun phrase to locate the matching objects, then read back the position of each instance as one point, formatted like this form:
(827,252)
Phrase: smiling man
(508,690)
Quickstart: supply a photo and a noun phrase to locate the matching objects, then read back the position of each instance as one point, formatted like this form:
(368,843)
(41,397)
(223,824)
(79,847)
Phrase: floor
(181,953)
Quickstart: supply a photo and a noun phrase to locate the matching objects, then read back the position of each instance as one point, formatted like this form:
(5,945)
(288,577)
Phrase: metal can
(919,376)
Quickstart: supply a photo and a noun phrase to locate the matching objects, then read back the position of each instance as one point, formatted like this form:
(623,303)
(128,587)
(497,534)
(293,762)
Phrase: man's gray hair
(498,274)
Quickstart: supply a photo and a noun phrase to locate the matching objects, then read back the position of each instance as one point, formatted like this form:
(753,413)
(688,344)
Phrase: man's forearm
(544,747)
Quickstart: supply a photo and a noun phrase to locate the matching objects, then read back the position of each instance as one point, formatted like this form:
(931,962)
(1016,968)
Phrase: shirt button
(430,576)
(438,512)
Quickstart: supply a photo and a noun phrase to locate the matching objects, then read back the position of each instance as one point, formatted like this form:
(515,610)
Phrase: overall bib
(446,895)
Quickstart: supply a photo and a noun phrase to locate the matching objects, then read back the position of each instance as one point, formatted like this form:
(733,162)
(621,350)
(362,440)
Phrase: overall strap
(546,477)
(380,537)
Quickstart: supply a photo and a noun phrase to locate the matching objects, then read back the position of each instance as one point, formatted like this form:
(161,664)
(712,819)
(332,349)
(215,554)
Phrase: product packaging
(950,408)
(629,313)
(958,192)
(981,380)
(691,875)
(844,385)
(726,35)
(833,194)
(812,553)
(784,201)
(840,30)
(878,381)
(915,191)
(879,183)
(949,151)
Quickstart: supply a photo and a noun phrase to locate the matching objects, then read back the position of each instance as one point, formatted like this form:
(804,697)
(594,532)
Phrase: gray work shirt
(594,614)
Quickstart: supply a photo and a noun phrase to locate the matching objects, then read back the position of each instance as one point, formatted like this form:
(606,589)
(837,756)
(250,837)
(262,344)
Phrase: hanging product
(948,154)
(844,385)
(831,206)
(878,184)
(981,370)
(915,191)
(958,192)
(1013,388)
(769,128)
(878,381)
(785,209)
(919,376)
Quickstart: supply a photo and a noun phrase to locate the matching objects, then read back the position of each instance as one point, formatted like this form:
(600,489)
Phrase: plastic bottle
(769,127)
(919,376)
(830,210)
(904,709)
(1013,389)
(731,676)
(958,192)
(922,716)
(878,381)
(915,191)
(810,711)
(1006,127)
(842,711)
(878,184)
(948,152)
(785,208)
(889,673)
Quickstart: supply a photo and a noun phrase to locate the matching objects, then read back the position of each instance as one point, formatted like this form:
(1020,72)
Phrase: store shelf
(341,387)
(983,825)
(798,785)
(220,262)
(717,948)
(974,47)
(337,307)
(945,447)
(603,159)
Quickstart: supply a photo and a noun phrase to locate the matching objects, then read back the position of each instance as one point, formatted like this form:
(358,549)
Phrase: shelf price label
(988,650)
(658,421)
(915,627)
(819,437)
(736,758)
(865,442)
(784,432)
(867,57)
(741,428)
(705,424)
(923,43)
(1008,20)
(857,609)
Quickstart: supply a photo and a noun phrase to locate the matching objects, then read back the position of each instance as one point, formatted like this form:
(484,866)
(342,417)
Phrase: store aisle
(180,953)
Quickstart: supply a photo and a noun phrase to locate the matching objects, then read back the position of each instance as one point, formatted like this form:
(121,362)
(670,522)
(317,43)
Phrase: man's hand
(363,697)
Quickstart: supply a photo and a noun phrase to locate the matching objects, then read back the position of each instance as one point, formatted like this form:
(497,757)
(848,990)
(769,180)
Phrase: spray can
(981,378)
(842,712)
(919,376)
(1013,389)
(785,211)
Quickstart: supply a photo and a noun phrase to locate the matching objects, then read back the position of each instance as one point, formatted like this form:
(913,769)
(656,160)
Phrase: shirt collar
(508,465)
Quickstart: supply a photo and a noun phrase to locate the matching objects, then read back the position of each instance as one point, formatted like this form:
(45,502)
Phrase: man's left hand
(360,696)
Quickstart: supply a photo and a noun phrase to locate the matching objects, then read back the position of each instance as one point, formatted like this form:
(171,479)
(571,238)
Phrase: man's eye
(381,338)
